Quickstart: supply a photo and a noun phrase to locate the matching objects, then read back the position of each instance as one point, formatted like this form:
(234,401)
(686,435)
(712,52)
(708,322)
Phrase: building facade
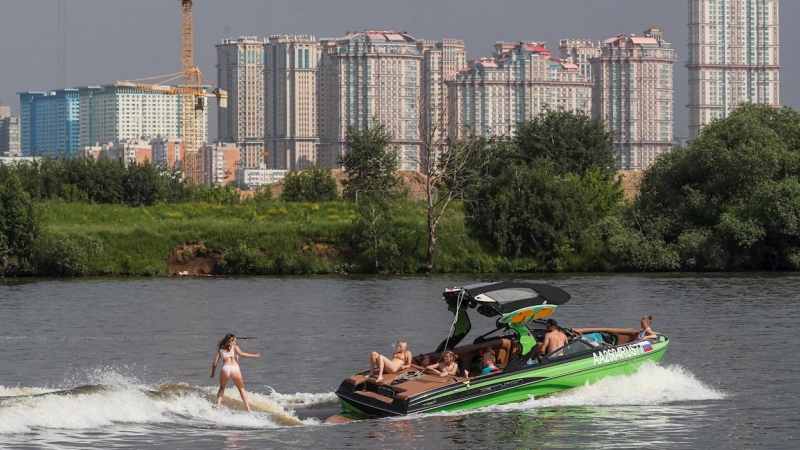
(49,123)
(220,161)
(634,96)
(290,74)
(114,113)
(441,61)
(520,81)
(580,52)
(9,133)
(366,77)
(734,57)
(240,72)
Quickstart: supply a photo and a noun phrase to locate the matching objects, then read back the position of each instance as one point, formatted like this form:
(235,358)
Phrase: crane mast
(192,98)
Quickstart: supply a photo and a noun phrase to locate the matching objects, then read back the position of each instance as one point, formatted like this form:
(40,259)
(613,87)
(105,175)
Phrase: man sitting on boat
(553,340)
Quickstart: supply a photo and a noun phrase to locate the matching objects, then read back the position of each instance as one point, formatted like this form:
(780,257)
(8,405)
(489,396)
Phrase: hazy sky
(109,40)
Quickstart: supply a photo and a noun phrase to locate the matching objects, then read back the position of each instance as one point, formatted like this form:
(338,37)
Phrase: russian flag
(647,347)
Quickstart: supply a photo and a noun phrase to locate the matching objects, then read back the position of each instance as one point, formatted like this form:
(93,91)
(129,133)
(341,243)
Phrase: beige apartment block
(491,95)
(441,61)
(580,52)
(240,72)
(290,73)
(634,96)
(734,57)
(366,77)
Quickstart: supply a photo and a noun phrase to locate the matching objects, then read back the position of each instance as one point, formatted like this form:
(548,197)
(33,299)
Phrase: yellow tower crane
(192,97)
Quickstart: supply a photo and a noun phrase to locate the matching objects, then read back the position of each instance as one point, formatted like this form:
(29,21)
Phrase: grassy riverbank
(265,238)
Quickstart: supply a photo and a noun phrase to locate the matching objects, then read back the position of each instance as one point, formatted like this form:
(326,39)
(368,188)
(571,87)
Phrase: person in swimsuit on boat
(230,353)
(645,332)
(401,359)
(447,366)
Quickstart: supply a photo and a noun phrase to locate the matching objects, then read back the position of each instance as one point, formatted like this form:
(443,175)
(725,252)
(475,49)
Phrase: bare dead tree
(447,164)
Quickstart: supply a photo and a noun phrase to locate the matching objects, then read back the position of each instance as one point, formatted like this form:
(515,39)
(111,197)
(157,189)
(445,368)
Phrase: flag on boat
(647,347)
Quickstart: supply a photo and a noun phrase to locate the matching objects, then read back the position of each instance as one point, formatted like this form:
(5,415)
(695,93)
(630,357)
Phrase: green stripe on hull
(555,380)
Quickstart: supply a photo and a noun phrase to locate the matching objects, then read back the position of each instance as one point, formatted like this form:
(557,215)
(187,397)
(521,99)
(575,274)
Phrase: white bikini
(229,368)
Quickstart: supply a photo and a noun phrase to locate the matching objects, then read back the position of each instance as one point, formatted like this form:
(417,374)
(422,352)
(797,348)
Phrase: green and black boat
(591,353)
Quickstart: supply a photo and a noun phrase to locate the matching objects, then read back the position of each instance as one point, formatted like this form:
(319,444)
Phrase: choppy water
(126,363)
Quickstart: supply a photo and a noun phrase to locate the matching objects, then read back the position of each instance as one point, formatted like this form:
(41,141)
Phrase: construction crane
(192,96)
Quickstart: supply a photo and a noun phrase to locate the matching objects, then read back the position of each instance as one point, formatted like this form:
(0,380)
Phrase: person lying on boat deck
(488,363)
(645,332)
(554,339)
(447,365)
(401,359)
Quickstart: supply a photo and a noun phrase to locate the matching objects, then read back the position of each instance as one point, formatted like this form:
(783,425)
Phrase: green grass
(267,238)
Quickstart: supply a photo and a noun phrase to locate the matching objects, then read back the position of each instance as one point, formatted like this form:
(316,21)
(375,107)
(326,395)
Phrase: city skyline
(96,52)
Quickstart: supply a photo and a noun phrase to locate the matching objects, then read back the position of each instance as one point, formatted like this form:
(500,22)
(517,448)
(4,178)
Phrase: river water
(134,358)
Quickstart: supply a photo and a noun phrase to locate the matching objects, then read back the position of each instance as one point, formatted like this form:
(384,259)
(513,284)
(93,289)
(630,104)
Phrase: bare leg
(388,364)
(223,381)
(373,361)
(236,376)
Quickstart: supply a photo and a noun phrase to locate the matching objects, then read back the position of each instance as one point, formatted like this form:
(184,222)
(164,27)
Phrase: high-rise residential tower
(290,73)
(733,57)
(633,96)
(441,61)
(114,113)
(49,123)
(580,52)
(492,95)
(366,77)
(240,72)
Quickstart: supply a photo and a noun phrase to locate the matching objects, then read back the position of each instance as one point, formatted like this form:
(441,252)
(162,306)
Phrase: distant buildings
(119,112)
(734,57)
(633,96)
(9,133)
(290,72)
(240,71)
(520,81)
(49,123)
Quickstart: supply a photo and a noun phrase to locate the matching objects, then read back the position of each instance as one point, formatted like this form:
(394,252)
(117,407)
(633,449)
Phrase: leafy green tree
(314,184)
(142,185)
(370,162)
(19,225)
(542,193)
(732,199)
(574,142)
(60,255)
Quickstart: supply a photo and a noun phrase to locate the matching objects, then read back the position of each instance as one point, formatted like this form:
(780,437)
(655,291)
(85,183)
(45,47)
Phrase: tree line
(549,194)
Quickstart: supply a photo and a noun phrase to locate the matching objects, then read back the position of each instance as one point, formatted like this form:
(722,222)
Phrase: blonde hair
(400,346)
(451,353)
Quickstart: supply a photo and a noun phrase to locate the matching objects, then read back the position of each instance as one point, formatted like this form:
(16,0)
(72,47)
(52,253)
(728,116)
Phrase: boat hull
(503,388)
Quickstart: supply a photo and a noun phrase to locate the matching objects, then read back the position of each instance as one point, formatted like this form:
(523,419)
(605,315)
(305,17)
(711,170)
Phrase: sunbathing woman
(447,366)
(401,359)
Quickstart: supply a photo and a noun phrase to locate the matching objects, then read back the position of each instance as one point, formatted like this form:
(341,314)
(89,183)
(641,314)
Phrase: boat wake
(112,398)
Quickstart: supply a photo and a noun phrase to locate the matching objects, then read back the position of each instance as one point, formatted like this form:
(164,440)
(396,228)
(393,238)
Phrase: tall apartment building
(114,113)
(49,123)
(580,52)
(9,133)
(634,96)
(290,74)
(733,57)
(441,61)
(492,95)
(368,76)
(240,71)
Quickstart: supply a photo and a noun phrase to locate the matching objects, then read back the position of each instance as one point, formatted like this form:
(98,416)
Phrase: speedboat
(591,353)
